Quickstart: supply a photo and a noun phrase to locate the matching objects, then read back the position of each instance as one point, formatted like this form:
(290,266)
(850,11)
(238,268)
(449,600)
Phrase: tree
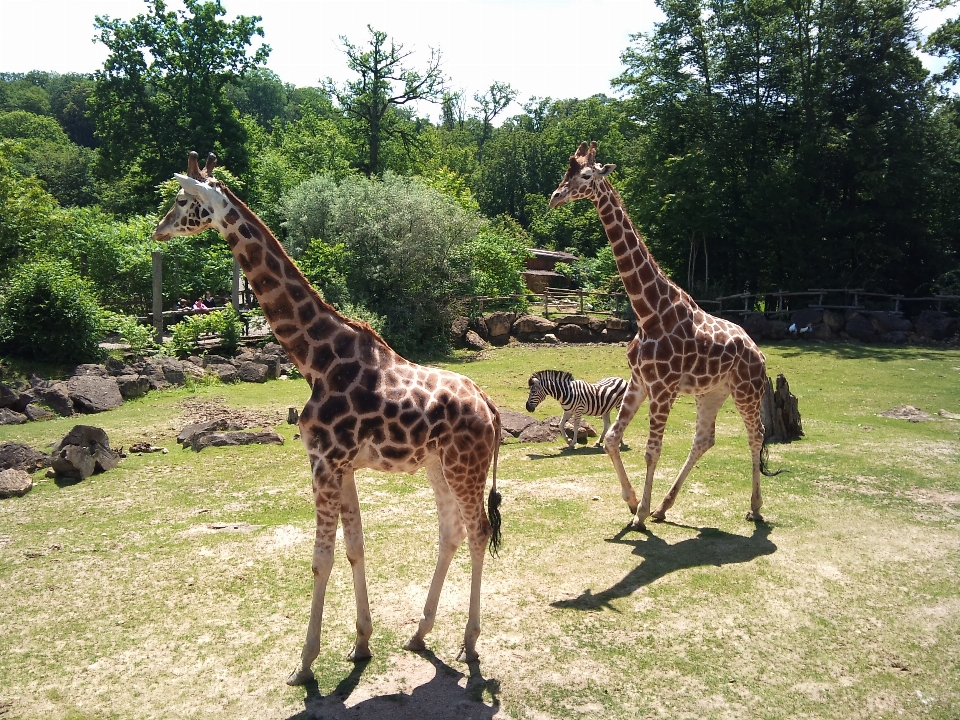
(385,85)
(489,105)
(162,92)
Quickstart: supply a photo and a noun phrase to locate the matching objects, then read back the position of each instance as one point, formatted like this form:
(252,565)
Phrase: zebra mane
(561,376)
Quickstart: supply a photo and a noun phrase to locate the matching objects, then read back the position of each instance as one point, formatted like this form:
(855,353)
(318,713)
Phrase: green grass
(120,602)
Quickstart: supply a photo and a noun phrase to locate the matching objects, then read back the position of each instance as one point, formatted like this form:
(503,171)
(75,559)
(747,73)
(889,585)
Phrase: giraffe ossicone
(679,348)
(368,408)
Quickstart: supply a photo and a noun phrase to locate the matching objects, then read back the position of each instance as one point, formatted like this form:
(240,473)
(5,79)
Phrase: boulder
(230,439)
(194,360)
(895,337)
(550,339)
(194,371)
(132,386)
(56,397)
(861,328)
(74,462)
(153,373)
(499,324)
(11,417)
(8,396)
(252,372)
(756,325)
(581,320)
(23,399)
(35,412)
(777,329)
(90,369)
(834,321)
(935,325)
(209,360)
(821,331)
(596,326)
(514,423)
(458,329)
(219,424)
(572,333)
(227,373)
(474,341)
(117,367)
(93,440)
(14,483)
(22,457)
(93,394)
(532,325)
(807,316)
(549,430)
(272,349)
(611,336)
(245,356)
(615,323)
(888,322)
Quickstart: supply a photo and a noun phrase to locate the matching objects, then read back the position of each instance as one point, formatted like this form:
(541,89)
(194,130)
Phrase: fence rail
(852,300)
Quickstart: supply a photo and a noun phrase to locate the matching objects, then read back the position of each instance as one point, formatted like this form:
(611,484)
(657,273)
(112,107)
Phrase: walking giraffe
(679,348)
(368,408)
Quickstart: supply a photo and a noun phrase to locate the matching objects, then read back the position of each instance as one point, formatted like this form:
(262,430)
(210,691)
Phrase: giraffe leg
(478,548)
(634,397)
(452,533)
(563,424)
(707,408)
(353,541)
(326,493)
(659,411)
(606,426)
(749,406)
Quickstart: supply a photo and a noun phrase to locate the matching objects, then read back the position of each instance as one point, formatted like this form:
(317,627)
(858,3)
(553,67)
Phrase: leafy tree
(385,84)
(30,217)
(490,104)
(163,92)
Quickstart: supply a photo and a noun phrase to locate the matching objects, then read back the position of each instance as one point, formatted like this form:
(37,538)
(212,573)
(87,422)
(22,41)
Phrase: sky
(542,48)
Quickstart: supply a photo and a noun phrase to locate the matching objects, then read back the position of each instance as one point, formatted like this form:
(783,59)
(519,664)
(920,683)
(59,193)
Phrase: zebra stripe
(577,397)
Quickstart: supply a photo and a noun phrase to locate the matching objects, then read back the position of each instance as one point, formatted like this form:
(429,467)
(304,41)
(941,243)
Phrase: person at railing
(182,304)
(199,307)
(209,300)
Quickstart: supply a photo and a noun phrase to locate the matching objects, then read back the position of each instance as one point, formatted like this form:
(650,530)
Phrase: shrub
(129,330)
(225,323)
(49,313)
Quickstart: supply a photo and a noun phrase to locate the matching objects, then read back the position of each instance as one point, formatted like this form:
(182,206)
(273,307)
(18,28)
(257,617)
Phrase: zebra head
(537,393)
(543,383)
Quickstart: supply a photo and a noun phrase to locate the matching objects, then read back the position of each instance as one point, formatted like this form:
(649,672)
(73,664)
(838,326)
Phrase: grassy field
(178,585)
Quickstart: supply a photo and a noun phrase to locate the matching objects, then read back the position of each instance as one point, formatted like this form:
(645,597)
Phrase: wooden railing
(853,299)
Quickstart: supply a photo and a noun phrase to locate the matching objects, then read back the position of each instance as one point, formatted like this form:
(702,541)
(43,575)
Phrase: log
(780,413)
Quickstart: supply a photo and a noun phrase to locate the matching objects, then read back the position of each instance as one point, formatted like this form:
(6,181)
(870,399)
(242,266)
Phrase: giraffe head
(193,210)
(583,178)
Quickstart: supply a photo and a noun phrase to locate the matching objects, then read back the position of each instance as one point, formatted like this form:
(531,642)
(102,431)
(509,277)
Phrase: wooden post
(546,309)
(580,292)
(235,294)
(157,296)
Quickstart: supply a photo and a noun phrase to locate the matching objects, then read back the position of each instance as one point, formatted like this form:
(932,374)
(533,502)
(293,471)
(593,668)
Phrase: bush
(49,313)
(129,330)
(225,323)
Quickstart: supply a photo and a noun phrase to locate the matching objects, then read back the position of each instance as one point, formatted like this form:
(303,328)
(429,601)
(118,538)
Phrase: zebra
(577,398)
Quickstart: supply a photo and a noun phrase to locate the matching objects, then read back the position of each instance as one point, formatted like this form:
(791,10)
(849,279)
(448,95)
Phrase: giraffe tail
(764,457)
(494,498)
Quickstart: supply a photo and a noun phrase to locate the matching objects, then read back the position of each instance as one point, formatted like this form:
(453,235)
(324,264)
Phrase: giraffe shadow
(441,698)
(579,450)
(710,547)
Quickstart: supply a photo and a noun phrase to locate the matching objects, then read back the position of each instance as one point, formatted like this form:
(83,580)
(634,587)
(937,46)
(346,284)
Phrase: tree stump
(779,412)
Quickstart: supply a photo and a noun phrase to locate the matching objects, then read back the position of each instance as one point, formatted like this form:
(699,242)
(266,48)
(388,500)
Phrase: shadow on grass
(845,351)
(439,699)
(579,450)
(710,547)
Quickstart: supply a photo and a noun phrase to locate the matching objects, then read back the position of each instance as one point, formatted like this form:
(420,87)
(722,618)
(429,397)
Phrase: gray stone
(756,325)
(117,367)
(95,441)
(533,325)
(10,417)
(216,425)
(935,325)
(91,394)
(56,397)
(293,416)
(499,323)
(226,373)
(194,371)
(212,359)
(252,372)
(581,320)
(91,370)
(474,341)
(8,396)
(74,462)
(274,349)
(610,335)
(245,356)
(887,322)
(615,323)
(574,333)
(132,386)
(35,412)
(23,399)
(821,331)
(514,422)
(195,360)
(458,329)
(807,316)
(834,321)
(22,457)
(776,329)
(153,373)
(172,370)
(14,483)
(861,328)
(230,439)
(895,337)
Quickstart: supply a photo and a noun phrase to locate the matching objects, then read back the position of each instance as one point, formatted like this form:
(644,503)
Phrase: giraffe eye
(182,202)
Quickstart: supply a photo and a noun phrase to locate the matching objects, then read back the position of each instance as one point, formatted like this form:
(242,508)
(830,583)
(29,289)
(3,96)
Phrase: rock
(90,370)
(132,386)
(10,417)
(611,336)
(293,417)
(245,356)
(474,341)
(195,361)
(93,394)
(833,320)
(580,320)
(252,372)
(229,439)
(14,483)
(219,424)
(22,457)
(117,367)
(227,373)
(776,329)
(514,422)
(95,441)
(499,324)
(550,339)
(756,325)
(458,329)
(272,349)
(596,326)
(907,412)
(807,316)
(8,396)
(549,430)
(861,328)
(935,325)
(153,373)
(56,397)
(888,322)
(821,331)
(532,325)
(23,399)
(74,462)
(194,371)
(614,323)
(573,333)
(35,412)
(895,337)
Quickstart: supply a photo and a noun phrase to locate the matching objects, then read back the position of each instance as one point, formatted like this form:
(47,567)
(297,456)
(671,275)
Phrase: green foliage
(29,216)
(224,323)
(129,330)
(49,313)
(496,259)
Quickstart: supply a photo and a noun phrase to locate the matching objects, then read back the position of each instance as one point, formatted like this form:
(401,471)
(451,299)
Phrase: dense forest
(760,145)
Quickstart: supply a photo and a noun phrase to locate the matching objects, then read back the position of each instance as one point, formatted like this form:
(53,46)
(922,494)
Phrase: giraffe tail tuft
(493,512)
(764,456)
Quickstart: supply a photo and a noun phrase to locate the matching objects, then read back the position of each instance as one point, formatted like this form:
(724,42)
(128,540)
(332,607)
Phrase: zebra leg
(606,426)
(563,424)
(576,429)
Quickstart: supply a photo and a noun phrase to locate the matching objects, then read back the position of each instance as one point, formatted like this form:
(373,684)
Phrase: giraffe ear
(211,164)
(582,150)
(193,167)
(189,185)
(607,169)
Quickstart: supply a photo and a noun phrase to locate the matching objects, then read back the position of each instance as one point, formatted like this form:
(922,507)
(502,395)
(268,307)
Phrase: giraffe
(679,348)
(368,408)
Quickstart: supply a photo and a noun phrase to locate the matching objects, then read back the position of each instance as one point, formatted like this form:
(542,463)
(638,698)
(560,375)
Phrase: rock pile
(224,431)
(528,429)
(497,329)
(862,325)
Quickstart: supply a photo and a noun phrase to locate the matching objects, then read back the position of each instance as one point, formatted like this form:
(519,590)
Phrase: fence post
(580,293)
(235,295)
(546,301)
(157,256)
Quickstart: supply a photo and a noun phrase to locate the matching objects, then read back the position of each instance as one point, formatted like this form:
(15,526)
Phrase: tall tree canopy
(162,93)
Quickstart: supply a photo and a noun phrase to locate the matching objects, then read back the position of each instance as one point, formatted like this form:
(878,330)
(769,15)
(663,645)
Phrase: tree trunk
(779,412)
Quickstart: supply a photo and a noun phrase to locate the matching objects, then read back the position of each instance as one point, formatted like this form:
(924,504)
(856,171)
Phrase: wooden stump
(779,412)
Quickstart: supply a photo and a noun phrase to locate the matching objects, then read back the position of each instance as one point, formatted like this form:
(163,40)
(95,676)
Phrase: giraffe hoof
(754,516)
(300,677)
(415,644)
(633,508)
(358,654)
(637,525)
(467,656)
(658,516)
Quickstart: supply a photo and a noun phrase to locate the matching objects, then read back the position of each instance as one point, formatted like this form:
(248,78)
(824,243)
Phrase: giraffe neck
(306,327)
(646,284)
